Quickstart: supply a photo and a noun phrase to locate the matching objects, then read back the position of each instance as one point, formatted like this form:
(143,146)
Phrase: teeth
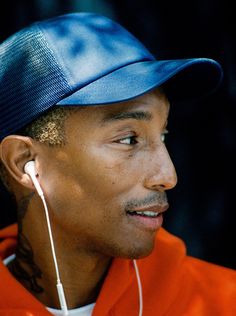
(148,213)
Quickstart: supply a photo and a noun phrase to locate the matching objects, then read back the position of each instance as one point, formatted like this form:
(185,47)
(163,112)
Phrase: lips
(151,211)
(148,218)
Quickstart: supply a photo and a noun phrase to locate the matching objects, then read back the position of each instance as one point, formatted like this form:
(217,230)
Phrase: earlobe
(15,151)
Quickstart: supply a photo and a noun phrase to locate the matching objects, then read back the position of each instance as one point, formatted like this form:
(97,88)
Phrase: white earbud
(29,169)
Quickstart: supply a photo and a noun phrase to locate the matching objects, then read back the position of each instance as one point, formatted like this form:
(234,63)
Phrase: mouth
(152,211)
(149,217)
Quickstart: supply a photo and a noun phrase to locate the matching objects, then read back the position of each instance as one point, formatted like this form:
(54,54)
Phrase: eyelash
(134,139)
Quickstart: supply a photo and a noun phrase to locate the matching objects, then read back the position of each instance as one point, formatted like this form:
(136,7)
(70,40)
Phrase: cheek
(105,173)
(82,180)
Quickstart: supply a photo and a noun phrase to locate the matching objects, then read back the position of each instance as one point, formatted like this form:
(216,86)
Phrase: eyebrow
(136,115)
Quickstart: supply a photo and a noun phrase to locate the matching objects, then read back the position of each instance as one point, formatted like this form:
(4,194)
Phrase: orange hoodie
(173,284)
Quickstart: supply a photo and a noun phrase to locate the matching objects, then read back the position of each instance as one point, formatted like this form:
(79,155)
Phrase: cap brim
(185,79)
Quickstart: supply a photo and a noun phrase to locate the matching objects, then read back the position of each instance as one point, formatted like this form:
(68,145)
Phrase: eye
(130,140)
(163,135)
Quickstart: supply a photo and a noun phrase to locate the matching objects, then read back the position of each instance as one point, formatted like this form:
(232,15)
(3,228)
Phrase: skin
(114,159)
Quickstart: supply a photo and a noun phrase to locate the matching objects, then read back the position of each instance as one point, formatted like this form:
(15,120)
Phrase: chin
(140,254)
(139,251)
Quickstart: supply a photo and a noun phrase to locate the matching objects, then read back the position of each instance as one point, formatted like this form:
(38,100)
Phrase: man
(84,109)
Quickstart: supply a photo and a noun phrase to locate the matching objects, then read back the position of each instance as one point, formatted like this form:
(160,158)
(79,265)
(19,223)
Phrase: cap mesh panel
(31,80)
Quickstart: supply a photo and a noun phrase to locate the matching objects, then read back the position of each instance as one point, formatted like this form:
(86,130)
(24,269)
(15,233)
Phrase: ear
(15,151)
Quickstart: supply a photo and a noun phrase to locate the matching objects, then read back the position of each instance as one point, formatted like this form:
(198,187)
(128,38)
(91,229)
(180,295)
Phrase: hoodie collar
(161,273)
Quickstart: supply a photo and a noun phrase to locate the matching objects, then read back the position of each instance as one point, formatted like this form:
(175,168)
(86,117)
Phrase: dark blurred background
(202,134)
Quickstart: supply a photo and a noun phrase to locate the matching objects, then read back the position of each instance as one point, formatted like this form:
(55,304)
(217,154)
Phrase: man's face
(106,186)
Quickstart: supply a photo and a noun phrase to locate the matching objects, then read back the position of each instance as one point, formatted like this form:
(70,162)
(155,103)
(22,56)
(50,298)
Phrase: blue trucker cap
(87,59)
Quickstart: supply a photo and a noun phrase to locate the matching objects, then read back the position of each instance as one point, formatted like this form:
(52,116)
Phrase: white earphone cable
(140,291)
(60,291)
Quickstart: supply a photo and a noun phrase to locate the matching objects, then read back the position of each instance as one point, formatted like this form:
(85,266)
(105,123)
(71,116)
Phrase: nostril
(161,188)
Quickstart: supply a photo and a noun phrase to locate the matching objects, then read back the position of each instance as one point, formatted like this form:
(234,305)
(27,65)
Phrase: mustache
(157,198)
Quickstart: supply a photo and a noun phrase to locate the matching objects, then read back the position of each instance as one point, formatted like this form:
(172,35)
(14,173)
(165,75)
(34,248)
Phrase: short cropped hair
(48,129)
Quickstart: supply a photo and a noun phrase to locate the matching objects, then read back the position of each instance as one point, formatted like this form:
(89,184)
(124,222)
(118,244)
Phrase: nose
(161,174)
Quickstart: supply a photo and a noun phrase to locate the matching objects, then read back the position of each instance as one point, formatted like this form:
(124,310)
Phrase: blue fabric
(87,59)
(133,80)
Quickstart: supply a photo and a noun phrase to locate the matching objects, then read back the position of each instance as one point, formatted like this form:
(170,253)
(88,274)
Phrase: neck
(81,273)
(81,276)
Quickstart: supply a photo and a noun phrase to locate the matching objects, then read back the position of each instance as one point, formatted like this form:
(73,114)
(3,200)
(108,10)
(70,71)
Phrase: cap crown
(49,60)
